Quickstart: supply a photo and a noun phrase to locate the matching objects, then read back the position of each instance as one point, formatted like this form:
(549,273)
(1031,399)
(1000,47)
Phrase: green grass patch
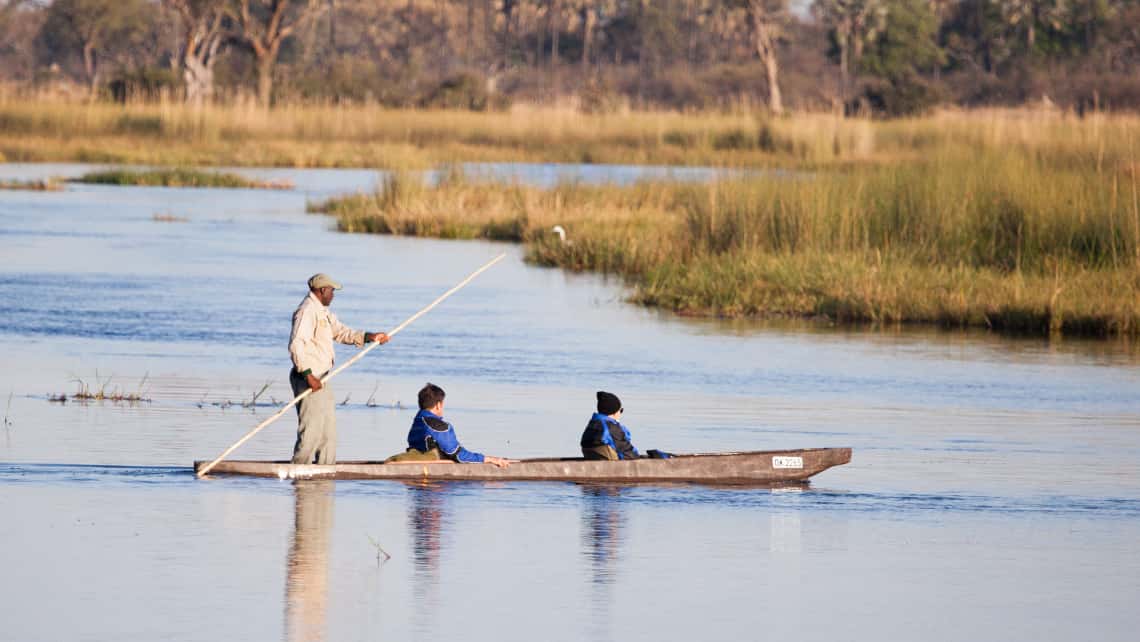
(177,177)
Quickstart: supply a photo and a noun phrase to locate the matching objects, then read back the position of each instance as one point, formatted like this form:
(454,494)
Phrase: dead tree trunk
(508,11)
(469,44)
(555,28)
(765,30)
(588,18)
(91,66)
(199,79)
(202,38)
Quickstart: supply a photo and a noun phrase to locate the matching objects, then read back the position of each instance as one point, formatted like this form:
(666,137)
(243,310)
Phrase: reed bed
(1014,240)
(178,177)
(342,136)
(373,136)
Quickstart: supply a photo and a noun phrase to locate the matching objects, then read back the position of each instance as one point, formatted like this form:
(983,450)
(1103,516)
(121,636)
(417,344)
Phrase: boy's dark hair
(430,395)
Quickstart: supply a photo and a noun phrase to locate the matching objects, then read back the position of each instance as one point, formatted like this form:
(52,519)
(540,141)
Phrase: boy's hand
(497,461)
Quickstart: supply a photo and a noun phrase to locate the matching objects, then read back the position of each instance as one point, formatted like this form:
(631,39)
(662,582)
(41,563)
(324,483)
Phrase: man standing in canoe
(315,328)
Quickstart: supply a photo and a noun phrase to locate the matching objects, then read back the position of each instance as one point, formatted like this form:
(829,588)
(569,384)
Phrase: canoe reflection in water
(603,524)
(307,582)
(426,505)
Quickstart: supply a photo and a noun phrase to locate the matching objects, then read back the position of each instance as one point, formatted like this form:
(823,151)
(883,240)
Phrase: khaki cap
(322,280)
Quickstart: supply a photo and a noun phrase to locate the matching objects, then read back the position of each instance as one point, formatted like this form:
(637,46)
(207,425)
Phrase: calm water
(994,492)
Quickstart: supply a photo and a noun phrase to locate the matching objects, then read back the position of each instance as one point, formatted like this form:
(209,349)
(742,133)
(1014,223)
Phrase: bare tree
(18,31)
(202,37)
(588,17)
(7,10)
(554,25)
(510,15)
(469,40)
(766,19)
(263,25)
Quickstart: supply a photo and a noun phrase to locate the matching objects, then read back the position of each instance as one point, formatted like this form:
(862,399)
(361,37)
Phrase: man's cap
(608,403)
(322,280)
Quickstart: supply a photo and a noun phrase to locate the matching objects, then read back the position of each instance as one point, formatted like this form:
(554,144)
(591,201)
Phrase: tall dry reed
(362,135)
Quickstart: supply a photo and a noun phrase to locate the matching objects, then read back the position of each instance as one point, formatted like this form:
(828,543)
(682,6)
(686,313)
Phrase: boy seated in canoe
(432,438)
(605,437)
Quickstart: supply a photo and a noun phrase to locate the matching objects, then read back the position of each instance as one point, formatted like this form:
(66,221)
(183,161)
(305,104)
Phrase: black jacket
(604,431)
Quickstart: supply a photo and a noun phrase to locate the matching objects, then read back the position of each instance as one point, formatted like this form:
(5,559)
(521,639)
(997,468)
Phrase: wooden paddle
(205,469)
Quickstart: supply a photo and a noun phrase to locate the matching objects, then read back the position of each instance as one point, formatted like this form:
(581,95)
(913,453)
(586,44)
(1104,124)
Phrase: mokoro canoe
(767,467)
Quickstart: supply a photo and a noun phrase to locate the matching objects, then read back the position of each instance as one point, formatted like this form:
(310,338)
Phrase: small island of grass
(178,177)
(36,185)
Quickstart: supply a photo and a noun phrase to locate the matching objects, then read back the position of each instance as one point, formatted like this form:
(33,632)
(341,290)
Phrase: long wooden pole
(205,469)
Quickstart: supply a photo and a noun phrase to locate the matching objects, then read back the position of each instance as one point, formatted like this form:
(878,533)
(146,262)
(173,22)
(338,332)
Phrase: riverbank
(1017,242)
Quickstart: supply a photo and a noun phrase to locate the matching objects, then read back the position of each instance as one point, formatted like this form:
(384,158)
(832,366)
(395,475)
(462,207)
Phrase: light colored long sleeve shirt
(315,328)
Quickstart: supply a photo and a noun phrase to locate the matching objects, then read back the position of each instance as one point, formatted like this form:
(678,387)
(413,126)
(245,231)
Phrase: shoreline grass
(1015,242)
(177,177)
(37,185)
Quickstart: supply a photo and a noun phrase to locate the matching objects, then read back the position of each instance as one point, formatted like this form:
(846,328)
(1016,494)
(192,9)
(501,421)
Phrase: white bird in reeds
(561,232)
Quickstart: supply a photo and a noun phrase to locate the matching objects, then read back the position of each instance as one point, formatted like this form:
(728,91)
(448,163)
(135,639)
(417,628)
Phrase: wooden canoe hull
(766,467)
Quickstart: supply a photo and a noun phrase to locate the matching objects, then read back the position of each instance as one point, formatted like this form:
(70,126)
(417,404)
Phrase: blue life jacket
(606,423)
(429,430)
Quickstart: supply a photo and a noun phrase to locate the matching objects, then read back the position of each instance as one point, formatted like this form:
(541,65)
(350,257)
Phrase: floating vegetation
(35,185)
(103,392)
(169,218)
(252,403)
(178,177)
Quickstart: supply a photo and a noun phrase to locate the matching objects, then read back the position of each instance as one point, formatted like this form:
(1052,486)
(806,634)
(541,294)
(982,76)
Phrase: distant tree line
(887,56)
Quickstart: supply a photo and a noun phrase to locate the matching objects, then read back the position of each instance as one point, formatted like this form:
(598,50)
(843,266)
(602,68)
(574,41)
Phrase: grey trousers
(316,424)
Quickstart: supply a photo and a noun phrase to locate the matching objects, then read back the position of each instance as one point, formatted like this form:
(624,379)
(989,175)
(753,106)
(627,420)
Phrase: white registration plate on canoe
(787,462)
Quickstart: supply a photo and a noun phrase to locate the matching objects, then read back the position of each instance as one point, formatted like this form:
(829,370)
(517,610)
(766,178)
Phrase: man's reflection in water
(602,524)
(307,585)
(426,505)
